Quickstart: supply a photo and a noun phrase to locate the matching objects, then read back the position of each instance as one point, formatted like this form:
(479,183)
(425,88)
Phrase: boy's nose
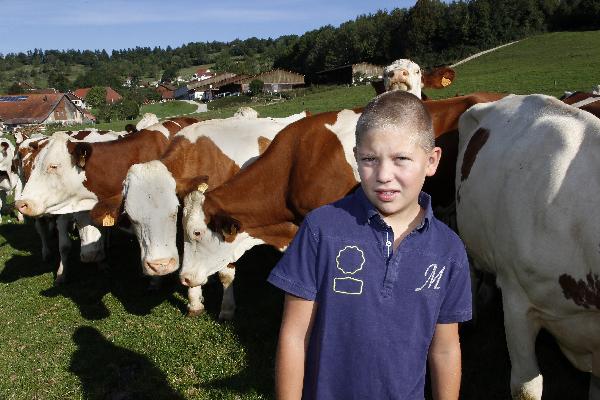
(384,173)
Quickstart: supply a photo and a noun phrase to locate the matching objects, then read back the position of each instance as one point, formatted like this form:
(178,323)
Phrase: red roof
(111,95)
(203,71)
(28,108)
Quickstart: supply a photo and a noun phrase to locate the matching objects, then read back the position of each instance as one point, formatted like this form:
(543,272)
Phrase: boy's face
(392,167)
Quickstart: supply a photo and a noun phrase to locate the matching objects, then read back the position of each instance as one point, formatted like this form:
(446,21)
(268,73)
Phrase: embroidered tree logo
(350,260)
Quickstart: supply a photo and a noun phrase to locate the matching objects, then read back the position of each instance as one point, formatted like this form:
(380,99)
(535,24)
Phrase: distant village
(37,107)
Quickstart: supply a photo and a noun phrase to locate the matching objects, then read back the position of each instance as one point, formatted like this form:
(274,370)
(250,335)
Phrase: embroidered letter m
(433,277)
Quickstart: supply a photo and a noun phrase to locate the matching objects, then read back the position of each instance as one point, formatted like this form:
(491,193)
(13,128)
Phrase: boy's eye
(368,159)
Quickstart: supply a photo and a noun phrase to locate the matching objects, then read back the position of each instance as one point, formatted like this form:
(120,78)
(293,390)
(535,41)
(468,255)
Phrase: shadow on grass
(256,324)
(87,284)
(23,238)
(110,372)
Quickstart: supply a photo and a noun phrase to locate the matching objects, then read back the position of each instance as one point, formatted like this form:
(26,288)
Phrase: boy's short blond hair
(398,111)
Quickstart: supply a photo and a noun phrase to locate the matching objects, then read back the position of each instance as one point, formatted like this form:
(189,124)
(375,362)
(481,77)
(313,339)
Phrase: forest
(431,32)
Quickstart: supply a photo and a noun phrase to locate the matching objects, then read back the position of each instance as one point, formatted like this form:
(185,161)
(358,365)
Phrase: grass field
(103,335)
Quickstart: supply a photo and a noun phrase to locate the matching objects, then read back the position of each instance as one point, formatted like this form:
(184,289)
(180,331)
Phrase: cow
(9,179)
(85,171)
(214,148)
(51,227)
(404,74)
(90,175)
(526,184)
(309,163)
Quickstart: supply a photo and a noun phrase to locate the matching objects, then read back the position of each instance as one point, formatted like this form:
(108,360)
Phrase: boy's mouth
(386,195)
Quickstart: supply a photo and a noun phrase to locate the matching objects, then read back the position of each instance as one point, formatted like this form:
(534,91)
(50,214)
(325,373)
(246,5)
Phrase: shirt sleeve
(457,304)
(295,273)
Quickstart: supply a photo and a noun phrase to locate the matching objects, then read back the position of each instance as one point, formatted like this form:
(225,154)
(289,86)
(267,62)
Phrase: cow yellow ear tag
(202,187)
(81,161)
(446,81)
(108,220)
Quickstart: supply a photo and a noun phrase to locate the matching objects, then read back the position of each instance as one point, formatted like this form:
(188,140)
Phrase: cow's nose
(162,266)
(21,205)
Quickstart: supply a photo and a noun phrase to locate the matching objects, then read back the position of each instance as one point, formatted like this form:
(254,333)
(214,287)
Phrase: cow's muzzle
(161,266)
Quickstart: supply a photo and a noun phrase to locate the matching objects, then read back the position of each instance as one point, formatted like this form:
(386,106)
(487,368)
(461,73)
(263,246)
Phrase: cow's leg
(44,226)
(226,276)
(195,301)
(595,377)
(64,246)
(521,331)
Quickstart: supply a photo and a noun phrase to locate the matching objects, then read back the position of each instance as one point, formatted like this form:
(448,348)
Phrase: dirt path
(481,53)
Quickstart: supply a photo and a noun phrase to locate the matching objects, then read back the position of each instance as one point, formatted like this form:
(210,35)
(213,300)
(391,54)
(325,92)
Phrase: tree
(96,97)
(169,74)
(15,88)
(58,81)
(256,86)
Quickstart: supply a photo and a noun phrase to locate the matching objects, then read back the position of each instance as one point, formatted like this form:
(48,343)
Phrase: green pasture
(104,335)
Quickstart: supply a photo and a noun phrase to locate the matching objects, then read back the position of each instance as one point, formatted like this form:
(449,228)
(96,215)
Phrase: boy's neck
(403,224)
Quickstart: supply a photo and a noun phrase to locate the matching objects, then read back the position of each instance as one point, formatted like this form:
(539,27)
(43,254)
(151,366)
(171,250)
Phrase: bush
(256,86)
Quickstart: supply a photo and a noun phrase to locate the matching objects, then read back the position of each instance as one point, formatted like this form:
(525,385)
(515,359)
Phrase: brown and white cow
(59,226)
(72,176)
(309,163)
(53,169)
(404,74)
(217,148)
(527,188)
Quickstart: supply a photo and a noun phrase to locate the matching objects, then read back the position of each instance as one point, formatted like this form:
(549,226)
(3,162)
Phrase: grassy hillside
(104,336)
(549,64)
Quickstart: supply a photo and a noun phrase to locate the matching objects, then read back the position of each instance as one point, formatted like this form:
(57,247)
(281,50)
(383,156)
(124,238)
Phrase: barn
(111,95)
(34,109)
(348,74)
(275,81)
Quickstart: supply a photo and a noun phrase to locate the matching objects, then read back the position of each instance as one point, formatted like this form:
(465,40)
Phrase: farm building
(167,92)
(111,95)
(275,81)
(205,89)
(202,74)
(37,109)
(348,74)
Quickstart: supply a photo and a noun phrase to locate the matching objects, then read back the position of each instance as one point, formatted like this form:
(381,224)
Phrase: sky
(121,24)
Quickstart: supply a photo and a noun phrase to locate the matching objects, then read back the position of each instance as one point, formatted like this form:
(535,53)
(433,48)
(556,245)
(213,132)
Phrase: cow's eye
(53,167)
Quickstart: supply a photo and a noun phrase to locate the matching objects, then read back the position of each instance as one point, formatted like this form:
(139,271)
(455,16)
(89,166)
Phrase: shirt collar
(370,212)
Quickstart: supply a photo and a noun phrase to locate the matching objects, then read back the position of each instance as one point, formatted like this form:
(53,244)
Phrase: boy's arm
(445,362)
(296,326)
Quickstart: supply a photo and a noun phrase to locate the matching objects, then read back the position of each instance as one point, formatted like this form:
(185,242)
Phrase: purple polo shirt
(377,308)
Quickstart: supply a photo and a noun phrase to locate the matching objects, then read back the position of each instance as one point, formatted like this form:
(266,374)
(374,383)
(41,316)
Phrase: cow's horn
(202,187)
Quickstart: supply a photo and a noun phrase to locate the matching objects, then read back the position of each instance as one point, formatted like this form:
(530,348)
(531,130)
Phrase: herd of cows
(518,180)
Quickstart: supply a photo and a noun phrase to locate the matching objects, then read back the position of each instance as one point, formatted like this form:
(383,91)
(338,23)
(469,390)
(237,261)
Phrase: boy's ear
(433,160)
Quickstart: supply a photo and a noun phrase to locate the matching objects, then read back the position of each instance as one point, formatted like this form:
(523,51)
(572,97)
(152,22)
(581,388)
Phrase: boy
(375,283)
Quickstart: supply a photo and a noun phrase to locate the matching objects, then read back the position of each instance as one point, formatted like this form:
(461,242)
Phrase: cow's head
(403,74)
(210,244)
(55,185)
(151,203)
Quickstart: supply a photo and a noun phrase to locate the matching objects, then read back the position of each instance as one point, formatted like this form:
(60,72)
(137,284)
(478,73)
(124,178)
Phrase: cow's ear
(438,78)
(185,186)
(263,144)
(106,212)
(80,151)
(4,147)
(378,86)
(225,225)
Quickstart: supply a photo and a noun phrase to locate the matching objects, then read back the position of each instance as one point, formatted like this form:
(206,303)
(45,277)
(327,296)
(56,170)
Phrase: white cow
(403,74)
(527,184)
(216,148)
(9,179)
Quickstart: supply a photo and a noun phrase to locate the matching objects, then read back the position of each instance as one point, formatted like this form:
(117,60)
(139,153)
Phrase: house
(35,109)
(348,74)
(111,95)
(202,74)
(76,100)
(167,91)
